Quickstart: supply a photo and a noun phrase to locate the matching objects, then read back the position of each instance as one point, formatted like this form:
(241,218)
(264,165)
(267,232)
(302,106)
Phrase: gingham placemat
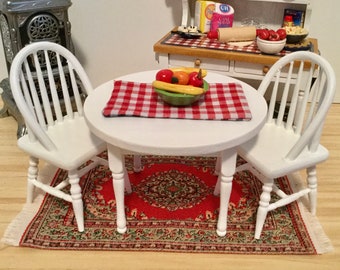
(223,101)
(206,43)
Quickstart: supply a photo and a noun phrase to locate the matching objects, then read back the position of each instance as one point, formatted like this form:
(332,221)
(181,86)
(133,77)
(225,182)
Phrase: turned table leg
(228,166)
(116,165)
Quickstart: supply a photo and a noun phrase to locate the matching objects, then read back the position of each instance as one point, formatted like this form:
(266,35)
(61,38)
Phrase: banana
(178,88)
(189,70)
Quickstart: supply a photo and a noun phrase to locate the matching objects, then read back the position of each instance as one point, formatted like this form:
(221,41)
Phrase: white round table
(178,137)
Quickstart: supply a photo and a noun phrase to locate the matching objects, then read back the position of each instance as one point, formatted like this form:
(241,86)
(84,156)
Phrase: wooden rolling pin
(234,34)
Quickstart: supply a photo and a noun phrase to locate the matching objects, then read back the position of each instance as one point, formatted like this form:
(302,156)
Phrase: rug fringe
(319,238)
(18,225)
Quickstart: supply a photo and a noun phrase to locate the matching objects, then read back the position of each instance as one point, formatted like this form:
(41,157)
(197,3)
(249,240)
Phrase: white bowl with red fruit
(270,41)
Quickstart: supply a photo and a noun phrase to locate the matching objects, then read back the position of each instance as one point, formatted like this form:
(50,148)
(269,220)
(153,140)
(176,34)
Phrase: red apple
(263,34)
(282,33)
(274,37)
(195,79)
(272,32)
(164,75)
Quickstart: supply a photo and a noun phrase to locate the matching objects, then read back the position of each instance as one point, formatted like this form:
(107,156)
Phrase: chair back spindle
(300,88)
(49,86)
(53,86)
(302,95)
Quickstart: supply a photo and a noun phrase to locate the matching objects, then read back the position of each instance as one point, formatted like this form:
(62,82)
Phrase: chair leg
(312,185)
(137,167)
(32,175)
(263,206)
(127,183)
(218,165)
(77,201)
(217,190)
(137,163)
(217,172)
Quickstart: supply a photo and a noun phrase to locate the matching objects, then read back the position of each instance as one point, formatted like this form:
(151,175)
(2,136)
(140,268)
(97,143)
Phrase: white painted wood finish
(172,137)
(290,139)
(56,129)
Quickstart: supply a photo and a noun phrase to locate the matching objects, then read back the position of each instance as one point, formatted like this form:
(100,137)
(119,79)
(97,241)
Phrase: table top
(159,136)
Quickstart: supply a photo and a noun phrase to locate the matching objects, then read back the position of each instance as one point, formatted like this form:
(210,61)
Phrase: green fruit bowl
(177,99)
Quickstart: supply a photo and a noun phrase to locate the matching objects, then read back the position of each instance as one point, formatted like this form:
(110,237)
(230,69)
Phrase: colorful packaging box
(203,14)
(297,15)
(223,17)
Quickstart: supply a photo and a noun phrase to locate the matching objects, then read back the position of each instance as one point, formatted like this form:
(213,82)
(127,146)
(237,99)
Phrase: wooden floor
(13,165)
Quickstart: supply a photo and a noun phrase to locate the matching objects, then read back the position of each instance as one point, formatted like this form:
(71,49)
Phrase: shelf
(161,48)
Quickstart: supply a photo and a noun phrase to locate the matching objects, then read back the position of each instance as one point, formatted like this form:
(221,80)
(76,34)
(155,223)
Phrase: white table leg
(228,166)
(116,165)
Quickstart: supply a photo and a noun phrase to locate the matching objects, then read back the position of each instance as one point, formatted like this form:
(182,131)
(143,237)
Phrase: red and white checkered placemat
(206,43)
(223,101)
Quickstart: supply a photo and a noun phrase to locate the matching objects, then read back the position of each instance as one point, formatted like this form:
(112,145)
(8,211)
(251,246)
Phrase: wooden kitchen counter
(162,48)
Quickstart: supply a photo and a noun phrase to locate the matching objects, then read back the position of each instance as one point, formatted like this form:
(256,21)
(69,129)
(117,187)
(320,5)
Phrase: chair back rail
(301,88)
(49,86)
(305,97)
(67,82)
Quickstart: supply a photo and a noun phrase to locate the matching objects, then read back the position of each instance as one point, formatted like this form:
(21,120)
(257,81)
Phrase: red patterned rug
(172,208)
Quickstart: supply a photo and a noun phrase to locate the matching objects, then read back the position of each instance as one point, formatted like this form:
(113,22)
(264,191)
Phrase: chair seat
(75,144)
(266,151)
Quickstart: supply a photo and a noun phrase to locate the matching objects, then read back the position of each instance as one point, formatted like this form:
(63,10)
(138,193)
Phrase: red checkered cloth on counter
(223,101)
(206,43)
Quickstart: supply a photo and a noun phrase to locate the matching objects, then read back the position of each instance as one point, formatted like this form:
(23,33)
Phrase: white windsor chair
(48,83)
(290,139)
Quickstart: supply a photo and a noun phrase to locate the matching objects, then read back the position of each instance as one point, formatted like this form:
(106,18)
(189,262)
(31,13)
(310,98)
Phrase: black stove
(26,21)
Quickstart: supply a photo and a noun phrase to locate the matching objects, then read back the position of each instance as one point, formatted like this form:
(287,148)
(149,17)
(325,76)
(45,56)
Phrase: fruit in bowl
(295,34)
(180,86)
(269,46)
(271,41)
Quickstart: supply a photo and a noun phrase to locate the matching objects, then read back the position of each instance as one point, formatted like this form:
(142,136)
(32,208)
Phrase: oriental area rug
(171,209)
